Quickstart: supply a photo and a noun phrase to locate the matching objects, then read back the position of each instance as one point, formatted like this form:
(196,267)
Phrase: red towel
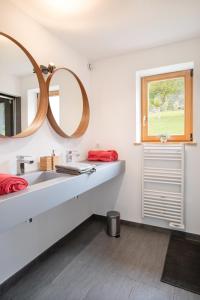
(11,184)
(101,155)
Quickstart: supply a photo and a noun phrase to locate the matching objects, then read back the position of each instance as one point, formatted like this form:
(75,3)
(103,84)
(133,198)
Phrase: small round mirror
(23,96)
(68,111)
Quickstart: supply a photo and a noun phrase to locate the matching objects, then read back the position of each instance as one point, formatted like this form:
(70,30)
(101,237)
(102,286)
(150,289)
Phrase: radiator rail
(163,183)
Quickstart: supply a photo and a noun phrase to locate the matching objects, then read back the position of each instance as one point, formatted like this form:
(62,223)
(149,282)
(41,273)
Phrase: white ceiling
(103,28)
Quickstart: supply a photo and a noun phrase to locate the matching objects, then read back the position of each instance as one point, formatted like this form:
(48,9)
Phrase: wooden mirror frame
(43,104)
(85,114)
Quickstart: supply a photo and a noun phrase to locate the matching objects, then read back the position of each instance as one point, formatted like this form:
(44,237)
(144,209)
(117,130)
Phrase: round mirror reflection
(19,89)
(68,103)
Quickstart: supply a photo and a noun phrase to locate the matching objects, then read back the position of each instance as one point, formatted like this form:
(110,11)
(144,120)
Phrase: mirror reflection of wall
(65,100)
(54,101)
(19,89)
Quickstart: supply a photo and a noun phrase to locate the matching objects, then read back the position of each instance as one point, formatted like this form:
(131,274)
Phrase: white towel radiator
(163,183)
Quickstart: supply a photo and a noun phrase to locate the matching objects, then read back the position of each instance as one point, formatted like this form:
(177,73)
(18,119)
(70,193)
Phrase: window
(167,107)
(10,115)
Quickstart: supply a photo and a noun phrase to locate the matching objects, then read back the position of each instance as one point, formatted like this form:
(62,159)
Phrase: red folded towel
(11,184)
(101,155)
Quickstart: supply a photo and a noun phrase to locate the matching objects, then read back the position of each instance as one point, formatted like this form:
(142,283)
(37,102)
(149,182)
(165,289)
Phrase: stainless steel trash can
(113,223)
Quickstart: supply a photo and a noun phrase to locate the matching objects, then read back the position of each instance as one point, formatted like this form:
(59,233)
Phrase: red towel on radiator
(11,184)
(100,155)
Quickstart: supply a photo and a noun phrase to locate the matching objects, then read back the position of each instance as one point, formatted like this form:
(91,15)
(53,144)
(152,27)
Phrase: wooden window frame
(188,120)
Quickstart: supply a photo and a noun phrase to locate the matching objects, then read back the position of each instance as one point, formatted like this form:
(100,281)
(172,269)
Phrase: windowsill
(194,143)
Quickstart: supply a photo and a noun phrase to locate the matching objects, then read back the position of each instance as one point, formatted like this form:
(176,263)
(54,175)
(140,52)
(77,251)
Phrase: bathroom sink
(50,189)
(41,176)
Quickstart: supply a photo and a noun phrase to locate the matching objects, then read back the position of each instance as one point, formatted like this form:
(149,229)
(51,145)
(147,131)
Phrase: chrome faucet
(21,161)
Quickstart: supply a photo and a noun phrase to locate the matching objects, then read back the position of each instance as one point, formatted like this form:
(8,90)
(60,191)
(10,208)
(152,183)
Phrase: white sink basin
(40,176)
(47,190)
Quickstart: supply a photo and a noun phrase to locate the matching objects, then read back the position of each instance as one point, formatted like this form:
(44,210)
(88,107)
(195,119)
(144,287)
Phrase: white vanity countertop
(18,207)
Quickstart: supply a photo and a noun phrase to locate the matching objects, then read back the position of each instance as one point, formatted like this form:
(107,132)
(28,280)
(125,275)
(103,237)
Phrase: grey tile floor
(92,266)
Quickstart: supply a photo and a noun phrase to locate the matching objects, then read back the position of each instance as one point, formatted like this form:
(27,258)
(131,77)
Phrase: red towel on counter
(11,184)
(101,155)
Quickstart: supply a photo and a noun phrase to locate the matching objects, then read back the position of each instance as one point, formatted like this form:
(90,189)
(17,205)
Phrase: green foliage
(166,91)
(155,102)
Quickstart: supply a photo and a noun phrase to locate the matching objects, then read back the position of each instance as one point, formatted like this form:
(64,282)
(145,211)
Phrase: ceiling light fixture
(67,6)
(73,7)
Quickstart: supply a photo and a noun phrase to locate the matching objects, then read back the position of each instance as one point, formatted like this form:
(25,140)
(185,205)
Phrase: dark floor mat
(182,263)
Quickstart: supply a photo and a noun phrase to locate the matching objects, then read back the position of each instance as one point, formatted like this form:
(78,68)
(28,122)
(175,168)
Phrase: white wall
(114,95)
(22,244)
(9,84)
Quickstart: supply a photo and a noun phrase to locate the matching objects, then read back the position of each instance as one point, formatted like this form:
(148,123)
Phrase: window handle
(144,120)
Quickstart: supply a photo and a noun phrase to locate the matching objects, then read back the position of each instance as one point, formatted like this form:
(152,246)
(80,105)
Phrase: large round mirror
(68,111)
(23,95)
